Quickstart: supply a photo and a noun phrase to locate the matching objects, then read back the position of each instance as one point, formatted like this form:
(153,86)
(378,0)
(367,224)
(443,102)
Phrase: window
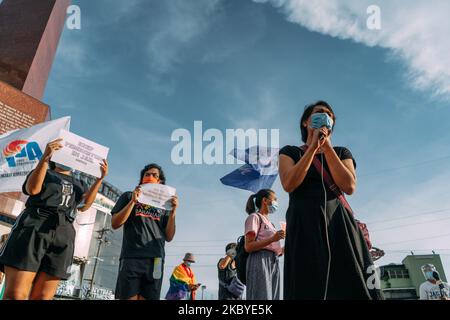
(105,190)
(400,294)
(398,274)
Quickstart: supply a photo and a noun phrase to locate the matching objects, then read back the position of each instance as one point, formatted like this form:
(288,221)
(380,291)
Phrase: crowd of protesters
(325,253)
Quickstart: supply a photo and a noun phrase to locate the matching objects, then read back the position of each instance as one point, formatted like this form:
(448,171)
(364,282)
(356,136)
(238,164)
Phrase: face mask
(63,167)
(232,253)
(150,179)
(188,264)
(273,207)
(319,120)
(429,275)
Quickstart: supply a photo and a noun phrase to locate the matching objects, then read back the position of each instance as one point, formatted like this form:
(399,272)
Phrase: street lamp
(203,291)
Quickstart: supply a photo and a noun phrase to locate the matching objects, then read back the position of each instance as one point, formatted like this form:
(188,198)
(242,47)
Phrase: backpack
(242,255)
(236,287)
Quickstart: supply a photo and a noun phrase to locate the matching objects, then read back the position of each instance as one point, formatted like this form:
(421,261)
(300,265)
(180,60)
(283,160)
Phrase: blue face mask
(188,264)
(429,275)
(319,120)
(273,207)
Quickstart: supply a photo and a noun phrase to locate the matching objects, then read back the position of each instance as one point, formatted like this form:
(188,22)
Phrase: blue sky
(137,70)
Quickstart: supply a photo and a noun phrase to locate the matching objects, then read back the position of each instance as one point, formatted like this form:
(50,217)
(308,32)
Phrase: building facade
(402,281)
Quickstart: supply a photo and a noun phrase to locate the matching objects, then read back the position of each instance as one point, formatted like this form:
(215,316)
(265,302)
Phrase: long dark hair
(257,198)
(162,177)
(307,113)
(52,165)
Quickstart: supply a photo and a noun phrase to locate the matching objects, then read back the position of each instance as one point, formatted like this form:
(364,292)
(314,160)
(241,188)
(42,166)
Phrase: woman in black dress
(326,256)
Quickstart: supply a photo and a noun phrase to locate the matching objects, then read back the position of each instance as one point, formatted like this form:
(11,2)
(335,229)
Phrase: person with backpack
(230,287)
(262,242)
(327,256)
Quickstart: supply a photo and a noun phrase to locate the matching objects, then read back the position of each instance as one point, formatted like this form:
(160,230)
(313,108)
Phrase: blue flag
(259,172)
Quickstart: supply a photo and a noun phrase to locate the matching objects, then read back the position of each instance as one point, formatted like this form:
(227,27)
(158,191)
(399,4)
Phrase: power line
(417,164)
(410,224)
(206,254)
(427,238)
(409,216)
(212,201)
(194,266)
(194,241)
(198,246)
(409,250)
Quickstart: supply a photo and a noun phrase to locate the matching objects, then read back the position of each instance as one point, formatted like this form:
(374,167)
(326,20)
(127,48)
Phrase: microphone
(436,276)
(439,282)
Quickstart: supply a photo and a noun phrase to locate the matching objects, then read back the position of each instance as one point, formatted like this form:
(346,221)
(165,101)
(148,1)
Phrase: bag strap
(329,181)
(260,224)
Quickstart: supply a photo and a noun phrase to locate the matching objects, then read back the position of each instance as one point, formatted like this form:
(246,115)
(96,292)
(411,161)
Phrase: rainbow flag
(180,280)
(2,288)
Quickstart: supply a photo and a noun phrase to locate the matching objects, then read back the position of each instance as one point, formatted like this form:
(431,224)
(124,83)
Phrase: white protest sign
(157,195)
(80,154)
(21,150)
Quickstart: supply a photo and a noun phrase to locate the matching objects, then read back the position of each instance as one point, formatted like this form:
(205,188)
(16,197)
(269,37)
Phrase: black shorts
(136,277)
(40,242)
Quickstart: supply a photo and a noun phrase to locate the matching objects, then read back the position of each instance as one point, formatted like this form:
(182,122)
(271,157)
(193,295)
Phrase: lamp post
(203,291)
(102,240)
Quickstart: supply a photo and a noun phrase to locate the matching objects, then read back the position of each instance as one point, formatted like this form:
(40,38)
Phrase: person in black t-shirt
(146,230)
(39,250)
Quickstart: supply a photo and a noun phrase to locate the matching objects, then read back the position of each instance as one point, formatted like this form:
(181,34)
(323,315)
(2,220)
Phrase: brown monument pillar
(29,34)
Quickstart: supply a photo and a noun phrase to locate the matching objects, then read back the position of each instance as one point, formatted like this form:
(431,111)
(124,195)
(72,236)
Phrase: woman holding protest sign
(39,250)
(326,254)
(146,230)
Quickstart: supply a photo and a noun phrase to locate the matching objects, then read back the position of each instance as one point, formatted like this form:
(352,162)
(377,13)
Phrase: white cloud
(181,22)
(416,32)
(73,57)
(258,110)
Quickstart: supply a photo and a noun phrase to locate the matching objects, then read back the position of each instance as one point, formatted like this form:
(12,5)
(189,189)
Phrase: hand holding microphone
(322,123)
(437,277)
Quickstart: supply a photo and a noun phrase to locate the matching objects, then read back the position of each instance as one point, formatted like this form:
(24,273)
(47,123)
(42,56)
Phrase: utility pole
(203,291)
(101,239)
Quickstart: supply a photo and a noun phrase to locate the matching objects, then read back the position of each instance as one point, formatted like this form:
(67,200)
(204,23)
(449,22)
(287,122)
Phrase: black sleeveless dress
(306,259)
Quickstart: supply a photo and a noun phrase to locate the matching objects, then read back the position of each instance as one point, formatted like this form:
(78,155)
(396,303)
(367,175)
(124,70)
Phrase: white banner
(22,149)
(80,154)
(157,195)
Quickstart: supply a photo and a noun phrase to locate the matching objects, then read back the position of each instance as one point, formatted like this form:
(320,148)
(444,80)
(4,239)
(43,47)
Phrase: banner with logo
(21,150)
